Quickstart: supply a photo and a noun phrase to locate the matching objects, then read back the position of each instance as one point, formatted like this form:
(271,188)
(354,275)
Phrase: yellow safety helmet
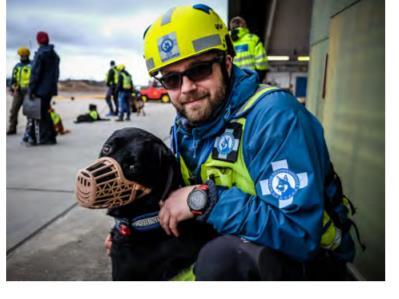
(183,32)
(23,51)
(120,67)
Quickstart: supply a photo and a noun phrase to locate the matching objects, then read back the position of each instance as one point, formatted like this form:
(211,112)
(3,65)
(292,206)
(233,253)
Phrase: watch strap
(212,200)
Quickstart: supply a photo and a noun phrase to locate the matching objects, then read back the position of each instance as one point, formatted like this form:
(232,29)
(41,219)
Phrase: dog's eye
(107,149)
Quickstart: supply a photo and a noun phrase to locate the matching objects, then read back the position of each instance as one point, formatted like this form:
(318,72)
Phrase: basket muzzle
(102,185)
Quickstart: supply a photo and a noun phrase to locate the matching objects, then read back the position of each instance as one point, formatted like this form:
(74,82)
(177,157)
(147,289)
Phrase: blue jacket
(278,128)
(45,72)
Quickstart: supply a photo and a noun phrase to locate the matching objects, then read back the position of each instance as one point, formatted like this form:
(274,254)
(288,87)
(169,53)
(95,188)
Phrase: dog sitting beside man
(134,172)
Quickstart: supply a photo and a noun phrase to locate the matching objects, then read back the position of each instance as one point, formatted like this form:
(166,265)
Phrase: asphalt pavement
(49,237)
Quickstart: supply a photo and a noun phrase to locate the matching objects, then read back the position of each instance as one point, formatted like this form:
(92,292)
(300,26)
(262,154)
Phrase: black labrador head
(144,159)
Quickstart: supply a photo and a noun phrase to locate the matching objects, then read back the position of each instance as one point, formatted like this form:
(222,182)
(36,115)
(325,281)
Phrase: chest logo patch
(226,145)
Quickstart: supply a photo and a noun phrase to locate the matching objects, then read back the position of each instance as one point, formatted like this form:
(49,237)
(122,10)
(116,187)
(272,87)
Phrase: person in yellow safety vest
(19,87)
(124,88)
(111,83)
(57,121)
(254,161)
(250,52)
(116,96)
(93,112)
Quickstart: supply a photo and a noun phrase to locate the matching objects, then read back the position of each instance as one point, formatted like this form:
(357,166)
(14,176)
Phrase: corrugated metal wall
(351,105)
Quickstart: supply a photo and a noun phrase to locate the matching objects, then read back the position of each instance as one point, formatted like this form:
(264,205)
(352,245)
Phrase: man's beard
(204,111)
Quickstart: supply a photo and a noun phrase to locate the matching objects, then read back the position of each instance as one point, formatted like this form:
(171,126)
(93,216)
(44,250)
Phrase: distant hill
(70,85)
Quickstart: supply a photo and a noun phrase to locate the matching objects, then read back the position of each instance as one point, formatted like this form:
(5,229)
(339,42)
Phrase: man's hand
(175,209)
(108,244)
(14,90)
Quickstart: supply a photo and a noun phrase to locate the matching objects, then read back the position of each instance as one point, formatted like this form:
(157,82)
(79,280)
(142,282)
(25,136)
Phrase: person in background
(19,87)
(110,95)
(250,52)
(91,116)
(57,121)
(43,84)
(125,89)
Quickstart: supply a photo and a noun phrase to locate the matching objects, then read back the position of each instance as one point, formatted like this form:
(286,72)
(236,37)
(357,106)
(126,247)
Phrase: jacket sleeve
(35,72)
(14,76)
(57,73)
(110,77)
(120,83)
(277,138)
(260,56)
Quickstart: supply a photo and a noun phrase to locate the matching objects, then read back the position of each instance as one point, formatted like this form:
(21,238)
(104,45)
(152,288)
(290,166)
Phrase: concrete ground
(49,237)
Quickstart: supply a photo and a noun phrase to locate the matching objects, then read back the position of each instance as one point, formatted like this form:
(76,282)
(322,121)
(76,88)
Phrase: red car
(155,92)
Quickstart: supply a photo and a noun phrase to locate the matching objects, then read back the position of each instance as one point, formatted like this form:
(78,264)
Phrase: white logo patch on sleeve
(283,183)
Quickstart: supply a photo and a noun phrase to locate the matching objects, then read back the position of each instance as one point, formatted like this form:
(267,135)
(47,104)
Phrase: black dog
(146,252)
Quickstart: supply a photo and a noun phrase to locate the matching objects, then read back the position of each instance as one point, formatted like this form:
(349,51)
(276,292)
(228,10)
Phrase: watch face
(197,200)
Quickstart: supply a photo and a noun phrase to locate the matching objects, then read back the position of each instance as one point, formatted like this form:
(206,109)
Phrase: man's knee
(224,259)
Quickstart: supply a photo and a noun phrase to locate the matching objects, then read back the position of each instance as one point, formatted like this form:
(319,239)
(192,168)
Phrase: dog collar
(145,222)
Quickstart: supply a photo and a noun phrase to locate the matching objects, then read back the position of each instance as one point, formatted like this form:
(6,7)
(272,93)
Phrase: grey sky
(87,34)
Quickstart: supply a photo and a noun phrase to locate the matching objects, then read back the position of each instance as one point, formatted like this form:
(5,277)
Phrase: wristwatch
(197,200)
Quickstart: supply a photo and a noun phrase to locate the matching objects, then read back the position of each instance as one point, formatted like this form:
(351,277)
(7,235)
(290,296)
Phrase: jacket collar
(48,47)
(241,31)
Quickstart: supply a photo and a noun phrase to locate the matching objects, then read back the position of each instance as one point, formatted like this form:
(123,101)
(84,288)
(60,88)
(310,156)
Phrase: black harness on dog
(147,221)
(142,223)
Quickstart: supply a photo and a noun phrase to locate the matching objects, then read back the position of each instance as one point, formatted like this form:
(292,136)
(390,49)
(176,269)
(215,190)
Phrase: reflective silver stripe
(262,56)
(261,64)
(146,221)
(337,240)
(263,88)
(150,64)
(206,42)
(167,16)
(246,65)
(241,58)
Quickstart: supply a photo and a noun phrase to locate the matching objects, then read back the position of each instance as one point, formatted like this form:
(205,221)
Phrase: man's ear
(229,64)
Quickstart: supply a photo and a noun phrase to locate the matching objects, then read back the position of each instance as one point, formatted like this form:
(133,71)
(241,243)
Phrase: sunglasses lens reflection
(196,73)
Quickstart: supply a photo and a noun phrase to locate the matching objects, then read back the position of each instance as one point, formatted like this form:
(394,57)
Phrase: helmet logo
(167,46)
(218,26)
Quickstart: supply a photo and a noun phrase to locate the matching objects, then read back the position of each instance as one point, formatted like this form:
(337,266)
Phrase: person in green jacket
(250,52)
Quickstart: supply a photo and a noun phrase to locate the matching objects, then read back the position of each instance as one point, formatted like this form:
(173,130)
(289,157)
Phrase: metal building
(345,90)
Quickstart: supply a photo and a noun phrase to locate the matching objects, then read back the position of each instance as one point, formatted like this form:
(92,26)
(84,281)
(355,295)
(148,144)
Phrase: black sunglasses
(197,72)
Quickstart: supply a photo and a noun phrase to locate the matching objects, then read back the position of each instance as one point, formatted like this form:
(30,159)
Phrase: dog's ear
(170,169)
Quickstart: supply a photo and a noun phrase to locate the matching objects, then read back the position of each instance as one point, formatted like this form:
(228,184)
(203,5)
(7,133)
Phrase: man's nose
(187,85)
